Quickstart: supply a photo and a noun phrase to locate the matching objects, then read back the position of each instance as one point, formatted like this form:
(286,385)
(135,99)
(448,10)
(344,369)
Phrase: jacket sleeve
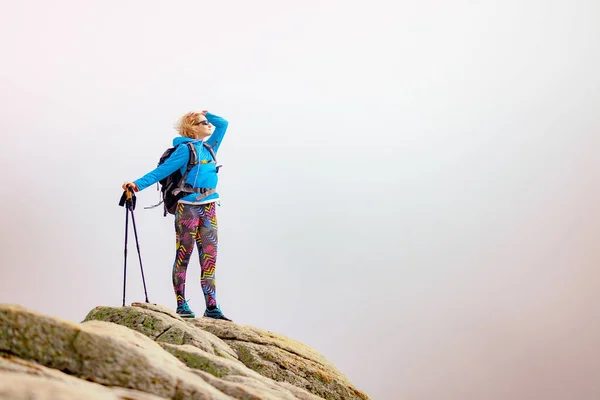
(178,159)
(220,124)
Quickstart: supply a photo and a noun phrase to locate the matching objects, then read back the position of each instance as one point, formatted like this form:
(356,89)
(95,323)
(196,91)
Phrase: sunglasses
(203,122)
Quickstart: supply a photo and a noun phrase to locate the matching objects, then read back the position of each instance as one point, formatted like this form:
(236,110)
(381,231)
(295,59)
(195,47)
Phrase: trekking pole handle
(128,198)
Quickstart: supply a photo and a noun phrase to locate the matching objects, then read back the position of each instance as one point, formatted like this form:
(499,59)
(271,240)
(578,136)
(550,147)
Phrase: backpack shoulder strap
(210,149)
(212,153)
(191,162)
(193,156)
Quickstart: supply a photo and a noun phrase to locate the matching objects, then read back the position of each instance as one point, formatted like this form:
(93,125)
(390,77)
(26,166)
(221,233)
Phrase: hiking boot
(183,310)
(215,313)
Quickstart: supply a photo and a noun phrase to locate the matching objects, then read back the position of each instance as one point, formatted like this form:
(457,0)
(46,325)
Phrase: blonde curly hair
(186,124)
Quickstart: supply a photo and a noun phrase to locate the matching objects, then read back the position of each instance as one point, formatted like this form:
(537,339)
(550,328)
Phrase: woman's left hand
(130,186)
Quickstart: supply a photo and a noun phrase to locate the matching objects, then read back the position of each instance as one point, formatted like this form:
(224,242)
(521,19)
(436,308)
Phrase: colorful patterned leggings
(196,225)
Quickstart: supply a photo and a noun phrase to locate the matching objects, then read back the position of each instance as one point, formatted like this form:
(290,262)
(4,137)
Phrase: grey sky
(411,188)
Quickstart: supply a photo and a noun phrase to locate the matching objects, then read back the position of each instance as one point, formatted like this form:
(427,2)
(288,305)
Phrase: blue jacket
(203,175)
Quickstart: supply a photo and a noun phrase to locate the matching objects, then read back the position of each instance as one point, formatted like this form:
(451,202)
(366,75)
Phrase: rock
(233,373)
(163,326)
(147,352)
(282,359)
(101,352)
(21,379)
(15,386)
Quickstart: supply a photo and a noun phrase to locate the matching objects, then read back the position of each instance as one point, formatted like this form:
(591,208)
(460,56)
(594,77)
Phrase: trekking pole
(125,254)
(137,243)
(128,200)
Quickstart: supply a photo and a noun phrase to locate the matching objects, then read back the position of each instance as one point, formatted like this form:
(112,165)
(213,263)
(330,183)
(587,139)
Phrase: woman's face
(201,127)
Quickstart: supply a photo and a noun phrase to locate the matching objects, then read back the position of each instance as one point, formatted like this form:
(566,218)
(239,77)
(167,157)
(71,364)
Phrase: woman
(195,215)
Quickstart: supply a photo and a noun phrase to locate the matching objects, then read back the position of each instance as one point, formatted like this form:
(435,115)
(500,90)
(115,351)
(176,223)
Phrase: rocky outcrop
(148,352)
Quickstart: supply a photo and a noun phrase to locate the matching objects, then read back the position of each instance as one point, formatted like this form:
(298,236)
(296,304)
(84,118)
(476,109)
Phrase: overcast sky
(411,188)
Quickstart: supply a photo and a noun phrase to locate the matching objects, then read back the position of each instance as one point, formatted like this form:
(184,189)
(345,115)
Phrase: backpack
(173,187)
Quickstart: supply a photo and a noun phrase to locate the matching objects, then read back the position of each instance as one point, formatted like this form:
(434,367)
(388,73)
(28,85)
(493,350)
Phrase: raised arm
(220,125)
